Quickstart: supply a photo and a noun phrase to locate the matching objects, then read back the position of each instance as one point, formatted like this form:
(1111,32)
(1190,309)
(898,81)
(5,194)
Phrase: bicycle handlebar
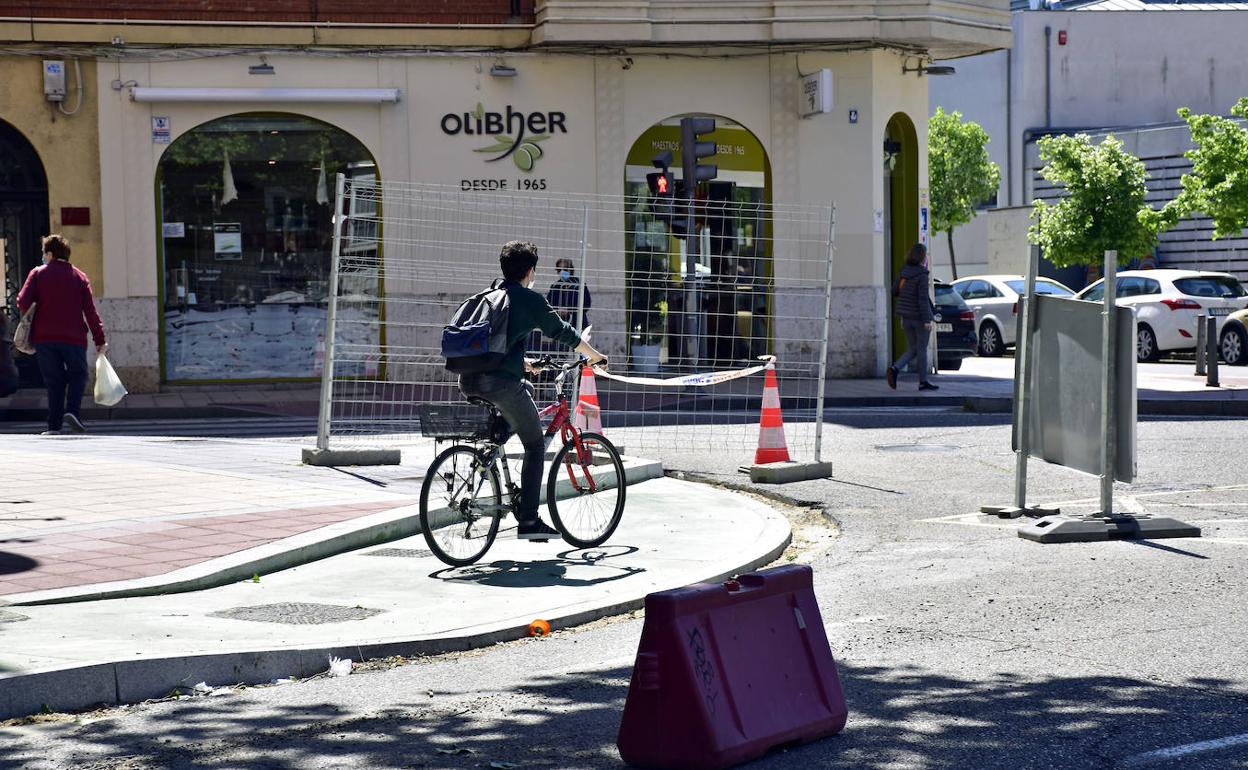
(543,363)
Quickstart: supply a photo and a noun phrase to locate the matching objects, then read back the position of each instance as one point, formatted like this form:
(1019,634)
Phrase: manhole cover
(917,447)
(297,613)
(407,553)
(11,617)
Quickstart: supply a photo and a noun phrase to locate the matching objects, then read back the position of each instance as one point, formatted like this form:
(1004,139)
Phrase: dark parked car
(955,328)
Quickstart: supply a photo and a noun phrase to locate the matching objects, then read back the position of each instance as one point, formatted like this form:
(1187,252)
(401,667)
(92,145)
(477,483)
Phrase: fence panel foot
(336,457)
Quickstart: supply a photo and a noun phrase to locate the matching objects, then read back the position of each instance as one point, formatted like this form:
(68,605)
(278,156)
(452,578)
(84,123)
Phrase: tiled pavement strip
(77,510)
(84,510)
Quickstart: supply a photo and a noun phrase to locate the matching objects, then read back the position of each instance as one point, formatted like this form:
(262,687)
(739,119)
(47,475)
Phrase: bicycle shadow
(574,568)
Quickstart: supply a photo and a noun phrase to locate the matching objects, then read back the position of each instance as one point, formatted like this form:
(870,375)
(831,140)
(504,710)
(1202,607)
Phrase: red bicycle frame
(561,422)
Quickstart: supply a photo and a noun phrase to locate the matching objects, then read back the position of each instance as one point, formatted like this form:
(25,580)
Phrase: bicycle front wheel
(590,480)
(460,506)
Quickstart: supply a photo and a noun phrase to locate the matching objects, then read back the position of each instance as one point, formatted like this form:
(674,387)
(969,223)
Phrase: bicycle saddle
(480,402)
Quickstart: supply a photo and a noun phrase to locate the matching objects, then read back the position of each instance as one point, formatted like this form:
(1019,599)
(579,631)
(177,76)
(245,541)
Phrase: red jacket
(64,296)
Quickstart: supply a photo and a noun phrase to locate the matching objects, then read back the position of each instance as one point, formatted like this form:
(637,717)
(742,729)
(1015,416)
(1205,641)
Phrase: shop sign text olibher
(517,135)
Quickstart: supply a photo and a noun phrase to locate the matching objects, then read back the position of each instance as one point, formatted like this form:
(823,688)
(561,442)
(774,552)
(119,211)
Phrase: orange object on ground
(539,627)
(771,446)
(588,414)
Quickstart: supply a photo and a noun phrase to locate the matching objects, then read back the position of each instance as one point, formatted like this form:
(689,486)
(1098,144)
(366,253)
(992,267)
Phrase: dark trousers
(514,399)
(64,370)
(917,335)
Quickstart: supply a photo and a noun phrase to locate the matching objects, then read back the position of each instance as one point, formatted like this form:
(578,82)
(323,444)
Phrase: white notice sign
(815,93)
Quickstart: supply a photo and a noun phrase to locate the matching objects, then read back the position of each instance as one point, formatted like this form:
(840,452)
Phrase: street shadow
(576,568)
(13,563)
(906,716)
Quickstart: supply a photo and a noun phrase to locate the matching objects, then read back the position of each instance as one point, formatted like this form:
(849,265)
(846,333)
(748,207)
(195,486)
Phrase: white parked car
(1167,303)
(994,298)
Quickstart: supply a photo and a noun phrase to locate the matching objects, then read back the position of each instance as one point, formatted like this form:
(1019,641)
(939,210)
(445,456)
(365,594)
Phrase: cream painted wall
(607,106)
(67,147)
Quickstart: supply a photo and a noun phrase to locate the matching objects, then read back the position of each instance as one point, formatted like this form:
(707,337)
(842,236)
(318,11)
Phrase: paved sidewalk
(82,510)
(979,378)
(385,600)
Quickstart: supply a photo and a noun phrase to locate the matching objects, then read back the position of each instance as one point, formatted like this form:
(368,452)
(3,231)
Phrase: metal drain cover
(407,553)
(11,617)
(917,447)
(297,613)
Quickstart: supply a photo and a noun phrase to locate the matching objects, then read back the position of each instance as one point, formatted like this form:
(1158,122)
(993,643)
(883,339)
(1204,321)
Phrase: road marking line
(1190,748)
(1094,500)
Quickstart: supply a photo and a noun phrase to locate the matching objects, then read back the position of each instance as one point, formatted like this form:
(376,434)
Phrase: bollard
(1200,345)
(1211,352)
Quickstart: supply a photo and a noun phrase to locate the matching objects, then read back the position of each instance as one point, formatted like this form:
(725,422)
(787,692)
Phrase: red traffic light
(661,185)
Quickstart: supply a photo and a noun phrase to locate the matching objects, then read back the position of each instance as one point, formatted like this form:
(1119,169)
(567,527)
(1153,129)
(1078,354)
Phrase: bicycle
(461,500)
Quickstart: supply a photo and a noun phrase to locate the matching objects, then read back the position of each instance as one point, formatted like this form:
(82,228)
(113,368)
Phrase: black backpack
(476,338)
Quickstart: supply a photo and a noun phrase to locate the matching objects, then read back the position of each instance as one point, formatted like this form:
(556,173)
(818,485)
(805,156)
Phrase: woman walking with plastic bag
(63,310)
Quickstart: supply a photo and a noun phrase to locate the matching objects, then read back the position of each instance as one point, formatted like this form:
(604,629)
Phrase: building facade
(205,149)
(1105,66)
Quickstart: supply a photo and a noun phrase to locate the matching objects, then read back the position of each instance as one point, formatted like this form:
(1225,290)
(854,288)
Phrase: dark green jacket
(529,311)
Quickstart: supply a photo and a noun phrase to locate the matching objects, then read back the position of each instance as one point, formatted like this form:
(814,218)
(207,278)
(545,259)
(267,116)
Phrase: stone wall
(133,342)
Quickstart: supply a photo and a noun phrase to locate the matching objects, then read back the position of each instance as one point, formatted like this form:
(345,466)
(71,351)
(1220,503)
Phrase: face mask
(46,258)
(565,274)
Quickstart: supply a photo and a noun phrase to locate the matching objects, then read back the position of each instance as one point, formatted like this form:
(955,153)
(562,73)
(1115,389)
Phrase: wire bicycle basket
(467,422)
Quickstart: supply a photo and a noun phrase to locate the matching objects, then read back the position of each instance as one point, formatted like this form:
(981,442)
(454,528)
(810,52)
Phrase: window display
(733,274)
(246,239)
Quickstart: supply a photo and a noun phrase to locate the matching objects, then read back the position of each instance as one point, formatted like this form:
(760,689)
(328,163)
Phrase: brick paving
(76,511)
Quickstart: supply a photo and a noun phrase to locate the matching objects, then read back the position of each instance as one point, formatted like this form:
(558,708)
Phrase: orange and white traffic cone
(588,415)
(771,446)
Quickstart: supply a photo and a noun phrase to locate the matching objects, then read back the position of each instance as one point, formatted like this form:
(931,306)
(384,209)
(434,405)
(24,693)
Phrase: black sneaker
(73,423)
(536,531)
(928,386)
(891,376)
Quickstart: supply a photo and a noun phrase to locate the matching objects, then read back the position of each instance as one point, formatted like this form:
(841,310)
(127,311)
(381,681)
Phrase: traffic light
(662,186)
(693,150)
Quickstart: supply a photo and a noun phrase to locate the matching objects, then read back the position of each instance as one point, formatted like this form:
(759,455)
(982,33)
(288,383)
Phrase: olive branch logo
(524,153)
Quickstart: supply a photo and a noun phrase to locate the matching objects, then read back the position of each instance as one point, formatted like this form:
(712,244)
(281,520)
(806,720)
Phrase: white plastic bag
(21,335)
(108,388)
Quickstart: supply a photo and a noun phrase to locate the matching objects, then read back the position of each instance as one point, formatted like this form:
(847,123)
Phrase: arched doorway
(901,205)
(244,205)
(720,314)
(23,221)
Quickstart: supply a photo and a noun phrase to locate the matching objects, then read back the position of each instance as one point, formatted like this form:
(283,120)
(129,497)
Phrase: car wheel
(990,340)
(1146,344)
(1234,346)
(951,365)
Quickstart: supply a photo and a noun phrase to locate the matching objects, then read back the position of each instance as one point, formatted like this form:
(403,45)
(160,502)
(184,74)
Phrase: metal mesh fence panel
(756,285)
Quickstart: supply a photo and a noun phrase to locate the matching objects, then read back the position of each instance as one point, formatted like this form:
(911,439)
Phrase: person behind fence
(64,312)
(564,294)
(914,304)
(505,387)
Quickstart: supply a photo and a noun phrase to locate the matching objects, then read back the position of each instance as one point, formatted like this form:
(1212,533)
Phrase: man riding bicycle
(506,388)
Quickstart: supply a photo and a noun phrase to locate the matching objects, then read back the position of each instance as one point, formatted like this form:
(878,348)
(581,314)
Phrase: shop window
(733,271)
(246,238)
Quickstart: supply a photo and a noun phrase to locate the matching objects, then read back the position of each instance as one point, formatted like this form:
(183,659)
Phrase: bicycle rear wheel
(461,504)
(592,484)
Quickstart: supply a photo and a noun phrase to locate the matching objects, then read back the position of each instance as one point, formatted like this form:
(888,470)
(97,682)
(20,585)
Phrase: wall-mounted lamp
(503,71)
(928,69)
(892,148)
(263,68)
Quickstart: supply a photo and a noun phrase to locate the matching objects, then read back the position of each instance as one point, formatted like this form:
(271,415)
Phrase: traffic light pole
(693,319)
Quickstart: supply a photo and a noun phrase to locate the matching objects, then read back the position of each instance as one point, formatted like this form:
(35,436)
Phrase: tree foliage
(1104,207)
(1218,183)
(959,172)
(958,169)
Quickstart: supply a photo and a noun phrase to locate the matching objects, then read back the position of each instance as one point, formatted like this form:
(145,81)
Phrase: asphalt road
(959,644)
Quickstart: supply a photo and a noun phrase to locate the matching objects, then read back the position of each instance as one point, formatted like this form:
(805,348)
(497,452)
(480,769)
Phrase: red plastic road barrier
(725,673)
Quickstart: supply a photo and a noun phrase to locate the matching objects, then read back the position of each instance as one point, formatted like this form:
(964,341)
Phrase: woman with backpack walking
(914,304)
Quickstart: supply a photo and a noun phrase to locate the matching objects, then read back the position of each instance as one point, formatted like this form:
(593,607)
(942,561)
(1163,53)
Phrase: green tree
(1104,207)
(959,172)
(1218,183)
